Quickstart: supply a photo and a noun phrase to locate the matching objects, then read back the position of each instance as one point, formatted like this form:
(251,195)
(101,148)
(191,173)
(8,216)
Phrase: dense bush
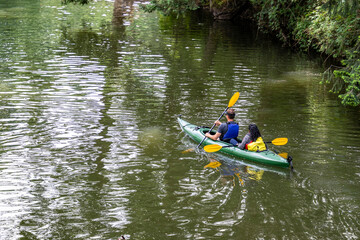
(171,6)
(280,16)
(330,27)
(350,74)
(335,32)
(75,1)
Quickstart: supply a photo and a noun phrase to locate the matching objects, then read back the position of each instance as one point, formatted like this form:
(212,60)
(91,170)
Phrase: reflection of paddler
(228,170)
(225,170)
(256,175)
(232,171)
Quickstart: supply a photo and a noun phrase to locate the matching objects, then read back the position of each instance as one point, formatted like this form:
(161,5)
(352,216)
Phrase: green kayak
(266,157)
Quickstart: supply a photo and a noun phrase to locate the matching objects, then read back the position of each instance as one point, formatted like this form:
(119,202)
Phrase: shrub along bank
(330,27)
(338,35)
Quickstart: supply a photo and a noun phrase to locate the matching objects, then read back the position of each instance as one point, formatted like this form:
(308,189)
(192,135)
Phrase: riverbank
(332,29)
(329,28)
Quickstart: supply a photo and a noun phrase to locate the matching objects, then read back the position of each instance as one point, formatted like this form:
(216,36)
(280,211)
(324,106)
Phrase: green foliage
(350,74)
(343,7)
(335,31)
(280,16)
(169,7)
(82,2)
(327,33)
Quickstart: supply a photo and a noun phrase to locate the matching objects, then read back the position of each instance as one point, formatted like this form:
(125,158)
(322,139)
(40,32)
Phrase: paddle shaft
(213,127)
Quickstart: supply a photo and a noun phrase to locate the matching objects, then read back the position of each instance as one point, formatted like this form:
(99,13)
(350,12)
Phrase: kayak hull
(265,157)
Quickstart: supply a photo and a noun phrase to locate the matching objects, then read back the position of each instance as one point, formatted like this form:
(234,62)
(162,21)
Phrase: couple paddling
(228,132)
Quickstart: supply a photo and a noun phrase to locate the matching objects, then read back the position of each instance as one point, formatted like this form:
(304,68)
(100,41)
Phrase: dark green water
(90,147)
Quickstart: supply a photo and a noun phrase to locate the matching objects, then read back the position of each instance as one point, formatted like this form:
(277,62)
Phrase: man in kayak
(253,141)
(228,131)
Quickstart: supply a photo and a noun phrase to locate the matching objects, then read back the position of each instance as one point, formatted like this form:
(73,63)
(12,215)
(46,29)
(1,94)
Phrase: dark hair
(254,132)
(231,113)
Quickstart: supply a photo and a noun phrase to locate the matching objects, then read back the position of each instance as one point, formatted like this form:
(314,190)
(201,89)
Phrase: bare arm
(213,137)
(217,134)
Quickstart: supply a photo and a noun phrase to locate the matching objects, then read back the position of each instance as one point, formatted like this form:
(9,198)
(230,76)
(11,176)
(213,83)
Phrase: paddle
(216,147)
(232,101)
(283,155)
(279,141)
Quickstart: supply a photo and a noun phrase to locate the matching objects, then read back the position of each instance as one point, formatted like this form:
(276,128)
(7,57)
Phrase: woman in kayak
(253,141)
(227,131)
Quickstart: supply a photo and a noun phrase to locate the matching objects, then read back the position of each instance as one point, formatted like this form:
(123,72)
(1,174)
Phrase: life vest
(258,145)
(233,130)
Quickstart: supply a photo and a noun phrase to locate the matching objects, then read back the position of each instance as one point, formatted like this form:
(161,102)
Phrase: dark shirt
(246,140)
(222,129)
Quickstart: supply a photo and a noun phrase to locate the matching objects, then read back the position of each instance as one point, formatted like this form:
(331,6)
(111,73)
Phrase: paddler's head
(254,132)
(230,114)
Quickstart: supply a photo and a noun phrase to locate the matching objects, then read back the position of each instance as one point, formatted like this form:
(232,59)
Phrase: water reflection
(90,147)
(236,170)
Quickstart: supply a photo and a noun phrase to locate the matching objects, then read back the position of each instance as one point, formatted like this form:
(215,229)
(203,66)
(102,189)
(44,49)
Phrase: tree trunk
(123,9)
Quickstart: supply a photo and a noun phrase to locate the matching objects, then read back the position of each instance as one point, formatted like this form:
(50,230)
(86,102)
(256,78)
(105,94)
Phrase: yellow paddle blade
(212,148)
(213,165)
(279,141)
(233,99)
(188,150)
(284,155)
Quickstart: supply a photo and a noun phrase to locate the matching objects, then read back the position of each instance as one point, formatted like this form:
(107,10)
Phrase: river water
(90,147)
